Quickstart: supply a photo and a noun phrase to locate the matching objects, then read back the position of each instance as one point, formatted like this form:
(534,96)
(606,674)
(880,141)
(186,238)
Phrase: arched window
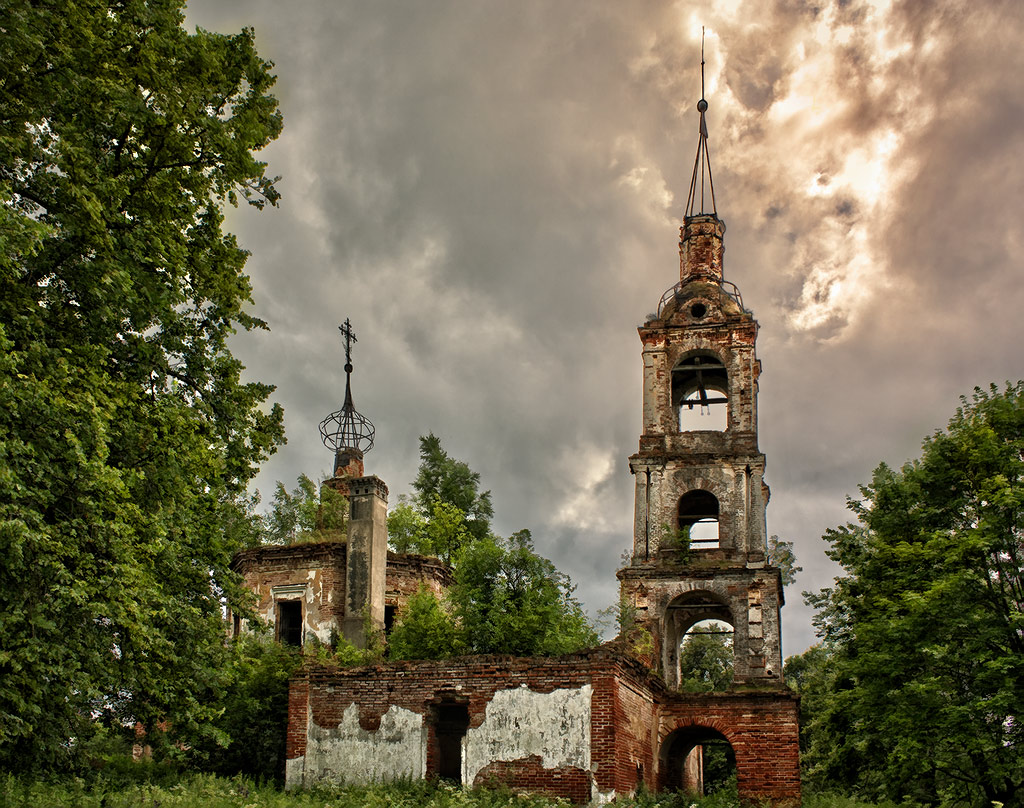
(700,394)
(698,519)
(699,655)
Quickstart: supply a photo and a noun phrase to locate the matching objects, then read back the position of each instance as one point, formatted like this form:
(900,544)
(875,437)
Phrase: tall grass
(157,787)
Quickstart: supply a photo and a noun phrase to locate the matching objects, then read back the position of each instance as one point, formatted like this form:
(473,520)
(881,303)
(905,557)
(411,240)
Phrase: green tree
(925,629)
(309,512)
(509,600)
(706,659)
(426,630)
(127,437)
(252,718)
(406,528)
(506,599)
(445,479)
(781,555)
(442,530)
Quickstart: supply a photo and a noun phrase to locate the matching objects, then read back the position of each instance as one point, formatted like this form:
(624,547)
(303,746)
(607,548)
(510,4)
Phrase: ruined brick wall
(747,599)
(312,573)
(761,727)
(634,716)
(542,723)
(587,726)
(407,572)
(315,574)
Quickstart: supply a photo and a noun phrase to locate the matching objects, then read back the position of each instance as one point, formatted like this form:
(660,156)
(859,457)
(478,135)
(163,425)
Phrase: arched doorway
(681,615)
(697,760)
(706,657)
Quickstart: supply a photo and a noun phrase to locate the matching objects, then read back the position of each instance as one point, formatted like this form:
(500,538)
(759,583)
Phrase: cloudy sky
(491,190)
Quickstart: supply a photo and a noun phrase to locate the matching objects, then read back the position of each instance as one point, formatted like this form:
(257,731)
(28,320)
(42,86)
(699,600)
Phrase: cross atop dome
(347,431)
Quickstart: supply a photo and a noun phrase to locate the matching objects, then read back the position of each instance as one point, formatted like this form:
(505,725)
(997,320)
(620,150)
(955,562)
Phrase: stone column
(366,559)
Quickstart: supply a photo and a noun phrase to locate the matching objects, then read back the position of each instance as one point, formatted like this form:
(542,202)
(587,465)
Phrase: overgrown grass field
(210,791)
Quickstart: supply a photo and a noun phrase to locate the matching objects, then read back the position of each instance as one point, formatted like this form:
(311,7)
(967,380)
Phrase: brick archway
(761,727)
(683,758)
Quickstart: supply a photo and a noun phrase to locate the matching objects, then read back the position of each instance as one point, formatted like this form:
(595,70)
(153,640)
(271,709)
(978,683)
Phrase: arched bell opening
(707,657)
(700,393)
(697,760)
(681,616)
(697,520)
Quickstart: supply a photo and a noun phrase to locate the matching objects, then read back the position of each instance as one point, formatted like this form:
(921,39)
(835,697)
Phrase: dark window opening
(289,622)
(698,519)
(389,618)
(698,310)
(700,394)
(236,625)
(452,721)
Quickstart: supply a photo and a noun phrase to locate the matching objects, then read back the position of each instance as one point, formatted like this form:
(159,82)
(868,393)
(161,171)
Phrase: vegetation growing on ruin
(505,598)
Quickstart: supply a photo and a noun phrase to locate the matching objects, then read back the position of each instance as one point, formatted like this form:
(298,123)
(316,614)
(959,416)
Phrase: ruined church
(601,723)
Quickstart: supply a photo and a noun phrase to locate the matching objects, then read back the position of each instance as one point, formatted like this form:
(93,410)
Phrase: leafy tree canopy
(706,659)
(127,436)
(450,481)
(781,555)
(506,599)
(307,513)
(441,531)
(923,693)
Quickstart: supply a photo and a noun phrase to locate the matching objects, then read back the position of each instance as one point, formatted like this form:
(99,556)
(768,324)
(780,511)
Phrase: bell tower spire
(699,549)
(347,431)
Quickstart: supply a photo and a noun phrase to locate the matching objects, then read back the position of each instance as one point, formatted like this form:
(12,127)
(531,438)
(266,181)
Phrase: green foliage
(253,712)
(676,539)
(167,789)
(706,660)
(924,686)
(209,791)
(781,555)
(811,675)
(442,530)
(127,437)
(307,513)
(425,630)
(509,600)
(444,479)
(637,637)
(506,599)
(407,529)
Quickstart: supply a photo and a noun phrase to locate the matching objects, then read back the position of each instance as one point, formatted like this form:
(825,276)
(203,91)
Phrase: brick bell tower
(699,549)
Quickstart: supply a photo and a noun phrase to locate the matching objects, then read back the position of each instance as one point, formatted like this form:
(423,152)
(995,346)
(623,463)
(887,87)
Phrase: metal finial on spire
(346,428)
(702,163)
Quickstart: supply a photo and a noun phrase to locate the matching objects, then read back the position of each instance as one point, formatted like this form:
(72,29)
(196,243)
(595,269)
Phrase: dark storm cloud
(491,191)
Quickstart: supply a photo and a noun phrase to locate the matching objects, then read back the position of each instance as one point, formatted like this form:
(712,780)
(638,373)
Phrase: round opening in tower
(698,310)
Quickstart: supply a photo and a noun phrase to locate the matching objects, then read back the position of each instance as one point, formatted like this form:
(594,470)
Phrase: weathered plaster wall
(546,721)
(275,573)
(520,722)
(396,749)
(587,727)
